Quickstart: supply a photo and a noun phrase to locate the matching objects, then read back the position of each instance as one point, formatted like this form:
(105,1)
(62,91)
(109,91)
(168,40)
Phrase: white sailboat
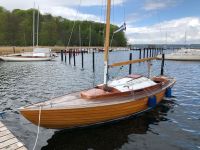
(183,55)
(38,54)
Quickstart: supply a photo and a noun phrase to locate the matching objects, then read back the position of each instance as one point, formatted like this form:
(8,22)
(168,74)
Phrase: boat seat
(98,92)
(134,76)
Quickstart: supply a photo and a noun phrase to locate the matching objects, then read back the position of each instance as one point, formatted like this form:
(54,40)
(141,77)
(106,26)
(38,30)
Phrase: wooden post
(74,58)
(69,56)
(162,65)
(93,67)
(140,53)
(150,53)
(65,55)
(144,52)
(61,52)
(147,52)
(82,58)
(130,65)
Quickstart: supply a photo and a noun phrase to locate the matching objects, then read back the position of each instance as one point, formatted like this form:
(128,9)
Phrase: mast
(38,20)
(185,39)
(80,37)
(90,36)
(34,25)
(106,45)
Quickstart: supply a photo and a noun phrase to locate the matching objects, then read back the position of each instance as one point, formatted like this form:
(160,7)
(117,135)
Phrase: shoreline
(5,50)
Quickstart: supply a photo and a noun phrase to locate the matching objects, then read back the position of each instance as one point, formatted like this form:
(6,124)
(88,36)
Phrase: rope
(112,39)
(38,129)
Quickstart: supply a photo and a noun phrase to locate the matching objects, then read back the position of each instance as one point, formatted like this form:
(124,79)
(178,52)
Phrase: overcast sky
(148,21)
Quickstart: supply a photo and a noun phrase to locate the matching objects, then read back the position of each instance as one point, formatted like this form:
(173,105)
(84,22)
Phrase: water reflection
(109,136)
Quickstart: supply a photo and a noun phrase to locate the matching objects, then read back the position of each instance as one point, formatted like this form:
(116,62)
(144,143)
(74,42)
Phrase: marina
(111,100)
(179,115)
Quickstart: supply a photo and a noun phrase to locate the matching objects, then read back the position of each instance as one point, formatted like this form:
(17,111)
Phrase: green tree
(16,30)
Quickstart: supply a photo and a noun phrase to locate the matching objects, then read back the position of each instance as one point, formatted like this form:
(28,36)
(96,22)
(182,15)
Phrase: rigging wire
(102,21)
(74,24)
(124,19)
(124,11)
(160,29)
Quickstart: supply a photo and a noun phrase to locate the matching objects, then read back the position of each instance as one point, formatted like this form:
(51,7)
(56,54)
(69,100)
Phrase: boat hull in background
(180,58)
(24,59)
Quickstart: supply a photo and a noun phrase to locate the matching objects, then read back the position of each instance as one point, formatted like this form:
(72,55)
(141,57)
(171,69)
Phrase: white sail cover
(129,84)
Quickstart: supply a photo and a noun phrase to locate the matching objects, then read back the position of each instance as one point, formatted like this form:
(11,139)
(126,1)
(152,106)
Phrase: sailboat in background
(38,54)
(110,101)
(183,54)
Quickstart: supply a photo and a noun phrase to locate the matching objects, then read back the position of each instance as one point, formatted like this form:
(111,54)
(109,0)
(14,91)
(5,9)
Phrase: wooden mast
(106,45)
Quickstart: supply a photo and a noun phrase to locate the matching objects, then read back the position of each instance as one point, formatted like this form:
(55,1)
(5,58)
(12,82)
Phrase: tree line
(16,29)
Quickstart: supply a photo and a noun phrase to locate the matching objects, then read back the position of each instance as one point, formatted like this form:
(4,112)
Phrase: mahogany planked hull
(75,117)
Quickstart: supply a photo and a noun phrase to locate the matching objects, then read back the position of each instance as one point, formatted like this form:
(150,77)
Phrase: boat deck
(8,141)
(75,100)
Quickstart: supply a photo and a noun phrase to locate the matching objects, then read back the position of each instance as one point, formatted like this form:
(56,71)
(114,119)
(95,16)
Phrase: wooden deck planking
(8,141)
(6,137)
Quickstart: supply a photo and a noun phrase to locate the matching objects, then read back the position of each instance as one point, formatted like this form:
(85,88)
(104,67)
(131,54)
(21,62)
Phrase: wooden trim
(131,62)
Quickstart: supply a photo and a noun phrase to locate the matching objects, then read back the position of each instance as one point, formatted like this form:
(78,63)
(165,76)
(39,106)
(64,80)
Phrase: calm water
(174,124)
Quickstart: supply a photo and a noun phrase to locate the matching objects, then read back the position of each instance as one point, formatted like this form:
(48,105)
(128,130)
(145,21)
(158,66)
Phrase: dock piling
(69,57)
(130,65)
(147,53)
(74,58)
(82,58)
(65,56)
(93,57)
(144,52)
(162,65)
(61,52)
(140,53)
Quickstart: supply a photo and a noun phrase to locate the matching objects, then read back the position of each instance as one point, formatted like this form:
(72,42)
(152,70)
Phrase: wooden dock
(8,141)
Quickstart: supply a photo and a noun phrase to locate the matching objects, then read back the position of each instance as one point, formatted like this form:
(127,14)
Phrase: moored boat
(112,100)
(183,55)
(38,54)
(127,96)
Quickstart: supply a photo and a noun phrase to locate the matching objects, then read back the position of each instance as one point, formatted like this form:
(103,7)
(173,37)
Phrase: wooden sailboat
(109,101)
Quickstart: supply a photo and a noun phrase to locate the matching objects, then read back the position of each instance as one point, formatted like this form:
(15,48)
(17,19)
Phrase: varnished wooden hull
(67,118)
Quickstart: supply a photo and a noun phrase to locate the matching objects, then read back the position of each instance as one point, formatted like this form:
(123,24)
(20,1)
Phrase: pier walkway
(8,141)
